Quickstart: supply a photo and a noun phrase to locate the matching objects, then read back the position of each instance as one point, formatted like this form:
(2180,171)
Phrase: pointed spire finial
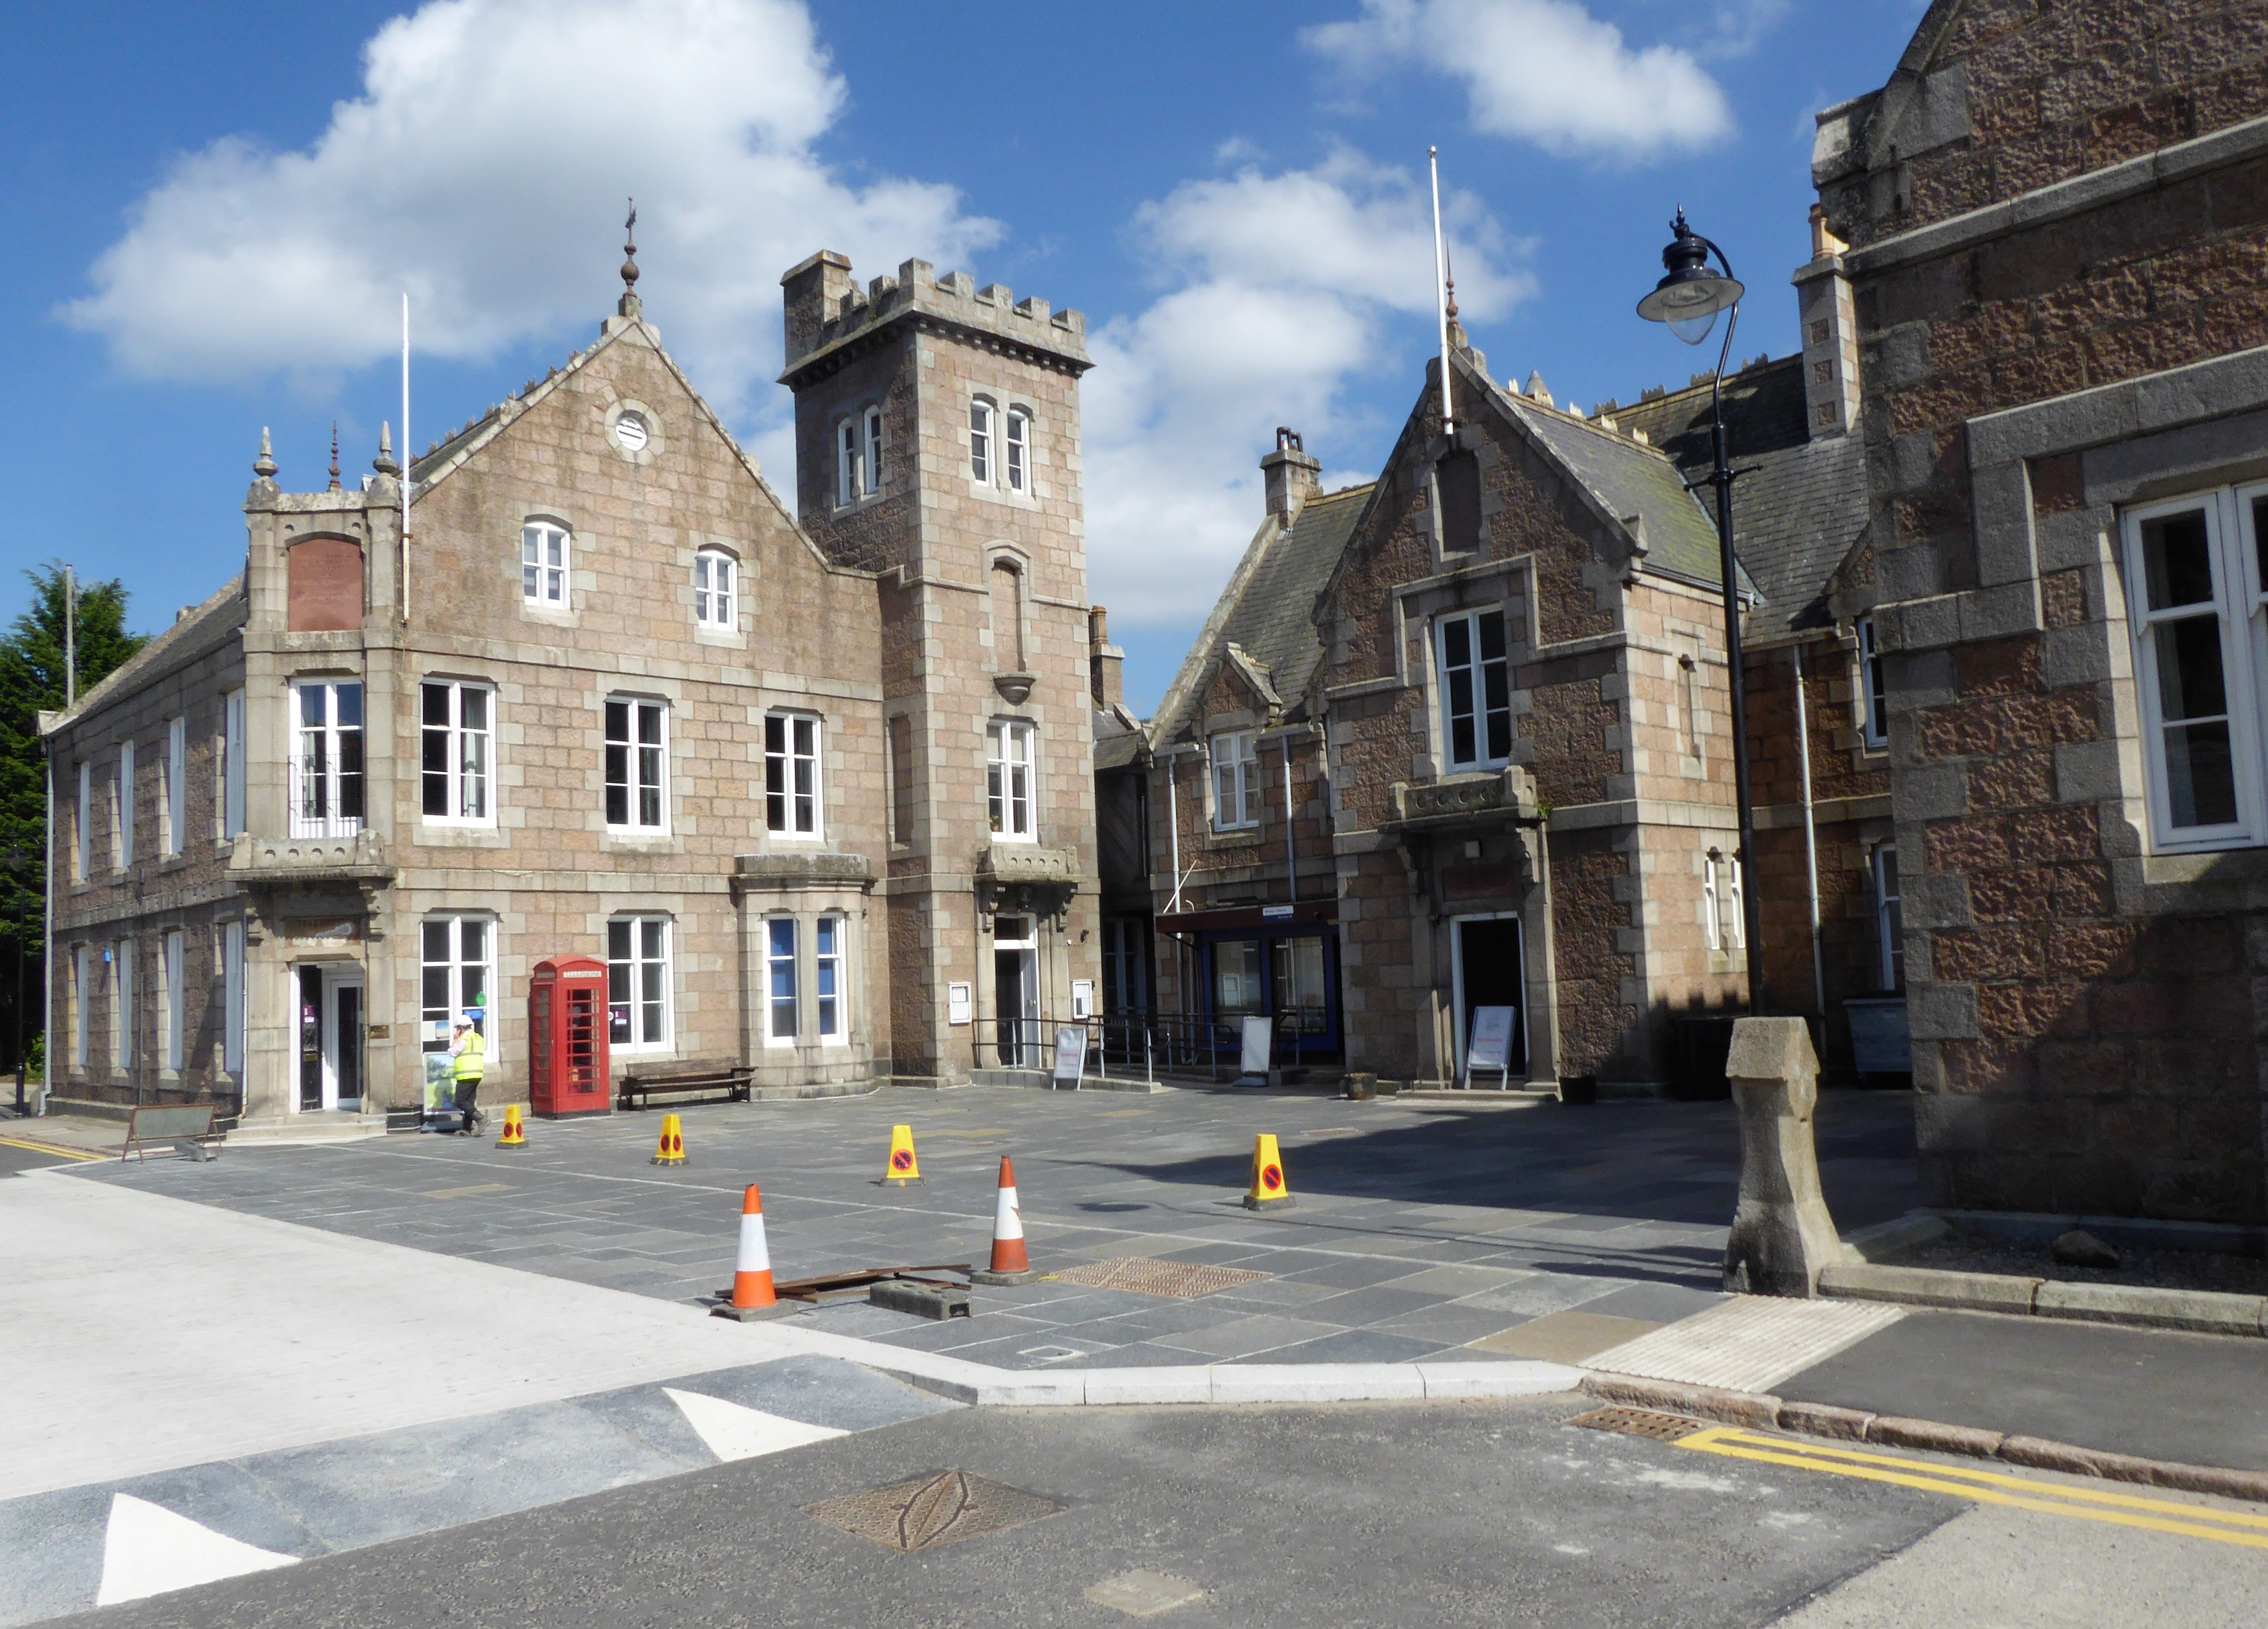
(335,455)
(1450,288)
(384,463)
(629,305)
(264,466)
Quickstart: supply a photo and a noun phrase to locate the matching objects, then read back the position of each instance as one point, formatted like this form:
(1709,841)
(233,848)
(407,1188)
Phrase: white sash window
(327,760)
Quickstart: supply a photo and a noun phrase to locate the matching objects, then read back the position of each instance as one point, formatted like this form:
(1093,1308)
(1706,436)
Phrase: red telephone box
(567,1037)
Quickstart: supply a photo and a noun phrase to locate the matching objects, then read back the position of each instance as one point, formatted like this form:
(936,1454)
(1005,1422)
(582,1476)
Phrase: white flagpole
(409,450)
(1441,296)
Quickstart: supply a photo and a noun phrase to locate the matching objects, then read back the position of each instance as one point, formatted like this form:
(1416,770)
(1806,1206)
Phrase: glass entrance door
(330,1038)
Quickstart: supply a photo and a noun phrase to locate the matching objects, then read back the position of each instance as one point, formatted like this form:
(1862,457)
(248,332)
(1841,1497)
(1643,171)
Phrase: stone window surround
(2200,425)
(635,920)
(1245,767)
(458,682)
(788,718)
(657,438)
(866,489)
(728,630)
(634,833)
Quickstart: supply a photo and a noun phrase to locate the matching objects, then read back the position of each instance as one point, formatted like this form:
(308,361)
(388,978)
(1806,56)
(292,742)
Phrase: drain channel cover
(1638,1422)
(944,1507)
(1184,1280)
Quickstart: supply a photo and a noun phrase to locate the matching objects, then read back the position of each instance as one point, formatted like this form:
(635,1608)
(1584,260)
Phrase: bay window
(780,982)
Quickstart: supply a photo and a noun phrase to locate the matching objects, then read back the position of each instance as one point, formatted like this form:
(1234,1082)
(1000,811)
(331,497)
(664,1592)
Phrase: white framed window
(1016,450)
(1712,905)
(791,775)
(1476,691)
(171,1005)
(456,727)
(1720,902)
(980,442)
(1890,917)
(1008,780)
(544,552)
(2194,586)
(80,993)
(1737,920)
(638,765)
(327,760)
(846,462)
(715,601)
(82,826)
(170,808)
(121,810)
(121,1005)
(1874,719)
(638,1014)
(873,473)
(231,995)
(230,781)
(1235,781)
(457,955)
(827,988)
(780,1004)
(1688,704)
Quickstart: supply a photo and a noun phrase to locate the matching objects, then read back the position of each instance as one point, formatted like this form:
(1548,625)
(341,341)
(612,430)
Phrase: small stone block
(923,1301)
(190,1148)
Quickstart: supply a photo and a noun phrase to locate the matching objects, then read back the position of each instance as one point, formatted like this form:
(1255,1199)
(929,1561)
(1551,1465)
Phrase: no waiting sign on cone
(1270,1192)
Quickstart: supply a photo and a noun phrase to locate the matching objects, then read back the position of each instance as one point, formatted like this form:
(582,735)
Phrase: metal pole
(1441,290)
(1810,837)
(71,637)
(1290,838)
(1720,476)
(409,458)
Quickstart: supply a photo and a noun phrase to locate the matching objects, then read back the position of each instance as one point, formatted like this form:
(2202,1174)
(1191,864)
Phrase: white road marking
(733,1431)
(149,1549)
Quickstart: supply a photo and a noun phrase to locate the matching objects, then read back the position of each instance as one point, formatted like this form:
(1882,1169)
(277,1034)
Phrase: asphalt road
(1400,1516)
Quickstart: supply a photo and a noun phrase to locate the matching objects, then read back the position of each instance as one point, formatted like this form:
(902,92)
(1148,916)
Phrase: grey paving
(1412,1518)
(1448,1222)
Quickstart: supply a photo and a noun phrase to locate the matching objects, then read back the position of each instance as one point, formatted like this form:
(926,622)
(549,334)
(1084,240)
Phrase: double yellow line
(2085,1504)
(59,1152)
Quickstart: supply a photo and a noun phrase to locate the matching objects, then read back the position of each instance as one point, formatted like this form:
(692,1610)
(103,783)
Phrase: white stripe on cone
(1008,1219)
(753,1256)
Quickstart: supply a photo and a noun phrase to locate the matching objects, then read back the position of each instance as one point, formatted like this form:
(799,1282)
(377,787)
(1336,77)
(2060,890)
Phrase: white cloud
(1545,71)
(483,168)
(1283,291)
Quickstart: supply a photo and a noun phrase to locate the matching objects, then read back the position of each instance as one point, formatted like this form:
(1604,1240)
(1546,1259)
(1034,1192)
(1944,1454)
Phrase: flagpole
(409,458)
(1440,297)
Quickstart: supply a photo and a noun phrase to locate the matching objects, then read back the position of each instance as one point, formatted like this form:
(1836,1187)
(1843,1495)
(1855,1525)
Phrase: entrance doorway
(1016,992)
(330,1038)
(1490,970)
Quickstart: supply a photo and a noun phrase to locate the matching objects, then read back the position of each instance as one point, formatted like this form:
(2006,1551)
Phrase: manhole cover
(1638,1422)
(943,1508)
(1182,1279)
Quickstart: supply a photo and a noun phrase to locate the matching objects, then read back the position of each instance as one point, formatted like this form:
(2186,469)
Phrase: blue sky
(215,209)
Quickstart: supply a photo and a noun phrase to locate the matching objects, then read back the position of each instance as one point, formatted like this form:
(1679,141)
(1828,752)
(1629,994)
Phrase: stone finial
(629,305)
(335,455)
(264,466)
(1457,340)
(384,463)
(1537,390)
(1782,1235)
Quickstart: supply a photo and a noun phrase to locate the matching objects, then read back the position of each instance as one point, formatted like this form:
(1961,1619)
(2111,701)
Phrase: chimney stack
(813,294)
(1293,477)
(1106,663)
(1830,335)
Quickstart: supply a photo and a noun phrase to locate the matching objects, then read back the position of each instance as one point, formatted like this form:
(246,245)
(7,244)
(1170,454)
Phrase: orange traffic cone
(515,1135)
(671,1149)
(752,1295)
(1010,1264)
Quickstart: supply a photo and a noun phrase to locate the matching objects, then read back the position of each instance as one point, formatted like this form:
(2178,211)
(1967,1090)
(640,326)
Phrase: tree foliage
(31,680)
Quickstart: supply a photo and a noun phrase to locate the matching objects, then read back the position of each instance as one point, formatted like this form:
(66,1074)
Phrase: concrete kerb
(1760,1412)
(981,1385)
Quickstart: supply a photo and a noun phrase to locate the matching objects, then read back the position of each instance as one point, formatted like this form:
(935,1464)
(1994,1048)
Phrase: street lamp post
(1687,301)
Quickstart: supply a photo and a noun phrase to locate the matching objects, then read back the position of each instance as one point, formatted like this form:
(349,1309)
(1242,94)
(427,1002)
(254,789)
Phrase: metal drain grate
(944,1507)
(1638,1422)
(1184,1280)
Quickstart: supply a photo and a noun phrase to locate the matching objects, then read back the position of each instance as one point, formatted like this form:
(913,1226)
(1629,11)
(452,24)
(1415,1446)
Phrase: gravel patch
(2178,1269)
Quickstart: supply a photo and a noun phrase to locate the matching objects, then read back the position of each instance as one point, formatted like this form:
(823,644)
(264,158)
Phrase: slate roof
(197,629)
(1118,739)
(1796,517)
(1268,608)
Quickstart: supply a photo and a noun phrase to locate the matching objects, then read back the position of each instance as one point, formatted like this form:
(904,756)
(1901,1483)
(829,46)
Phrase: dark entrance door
(1490,975)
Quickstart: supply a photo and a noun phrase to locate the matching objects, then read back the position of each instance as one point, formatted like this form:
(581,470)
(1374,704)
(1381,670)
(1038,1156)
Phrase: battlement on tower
(827,311)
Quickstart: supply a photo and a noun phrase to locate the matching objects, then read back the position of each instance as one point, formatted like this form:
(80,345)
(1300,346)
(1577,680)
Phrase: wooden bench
(687,1076)
(188,1126)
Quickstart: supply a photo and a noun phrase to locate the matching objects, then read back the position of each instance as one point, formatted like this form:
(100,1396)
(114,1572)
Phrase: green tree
(31,680)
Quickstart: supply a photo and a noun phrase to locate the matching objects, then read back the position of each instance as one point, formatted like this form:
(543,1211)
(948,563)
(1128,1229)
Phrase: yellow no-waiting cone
(1269,1189)
(904,1167)
(671,1149)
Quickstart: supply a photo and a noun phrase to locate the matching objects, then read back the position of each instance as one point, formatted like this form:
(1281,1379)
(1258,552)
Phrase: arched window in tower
(1018,453)
(980,441)
(1008,617)
(846,462)
(873,449)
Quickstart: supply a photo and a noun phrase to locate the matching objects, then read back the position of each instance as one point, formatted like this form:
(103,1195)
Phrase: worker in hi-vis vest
(470,1055)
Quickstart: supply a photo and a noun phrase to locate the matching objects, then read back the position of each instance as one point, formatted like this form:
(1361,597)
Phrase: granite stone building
(2057,227)
(797,785)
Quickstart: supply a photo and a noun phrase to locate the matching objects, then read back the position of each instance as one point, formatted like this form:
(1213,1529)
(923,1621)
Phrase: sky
(215,212)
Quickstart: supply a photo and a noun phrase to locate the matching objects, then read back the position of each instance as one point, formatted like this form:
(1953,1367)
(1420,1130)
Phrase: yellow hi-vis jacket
(472,1057)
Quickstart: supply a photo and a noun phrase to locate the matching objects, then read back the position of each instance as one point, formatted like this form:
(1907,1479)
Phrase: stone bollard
(1782,1235)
